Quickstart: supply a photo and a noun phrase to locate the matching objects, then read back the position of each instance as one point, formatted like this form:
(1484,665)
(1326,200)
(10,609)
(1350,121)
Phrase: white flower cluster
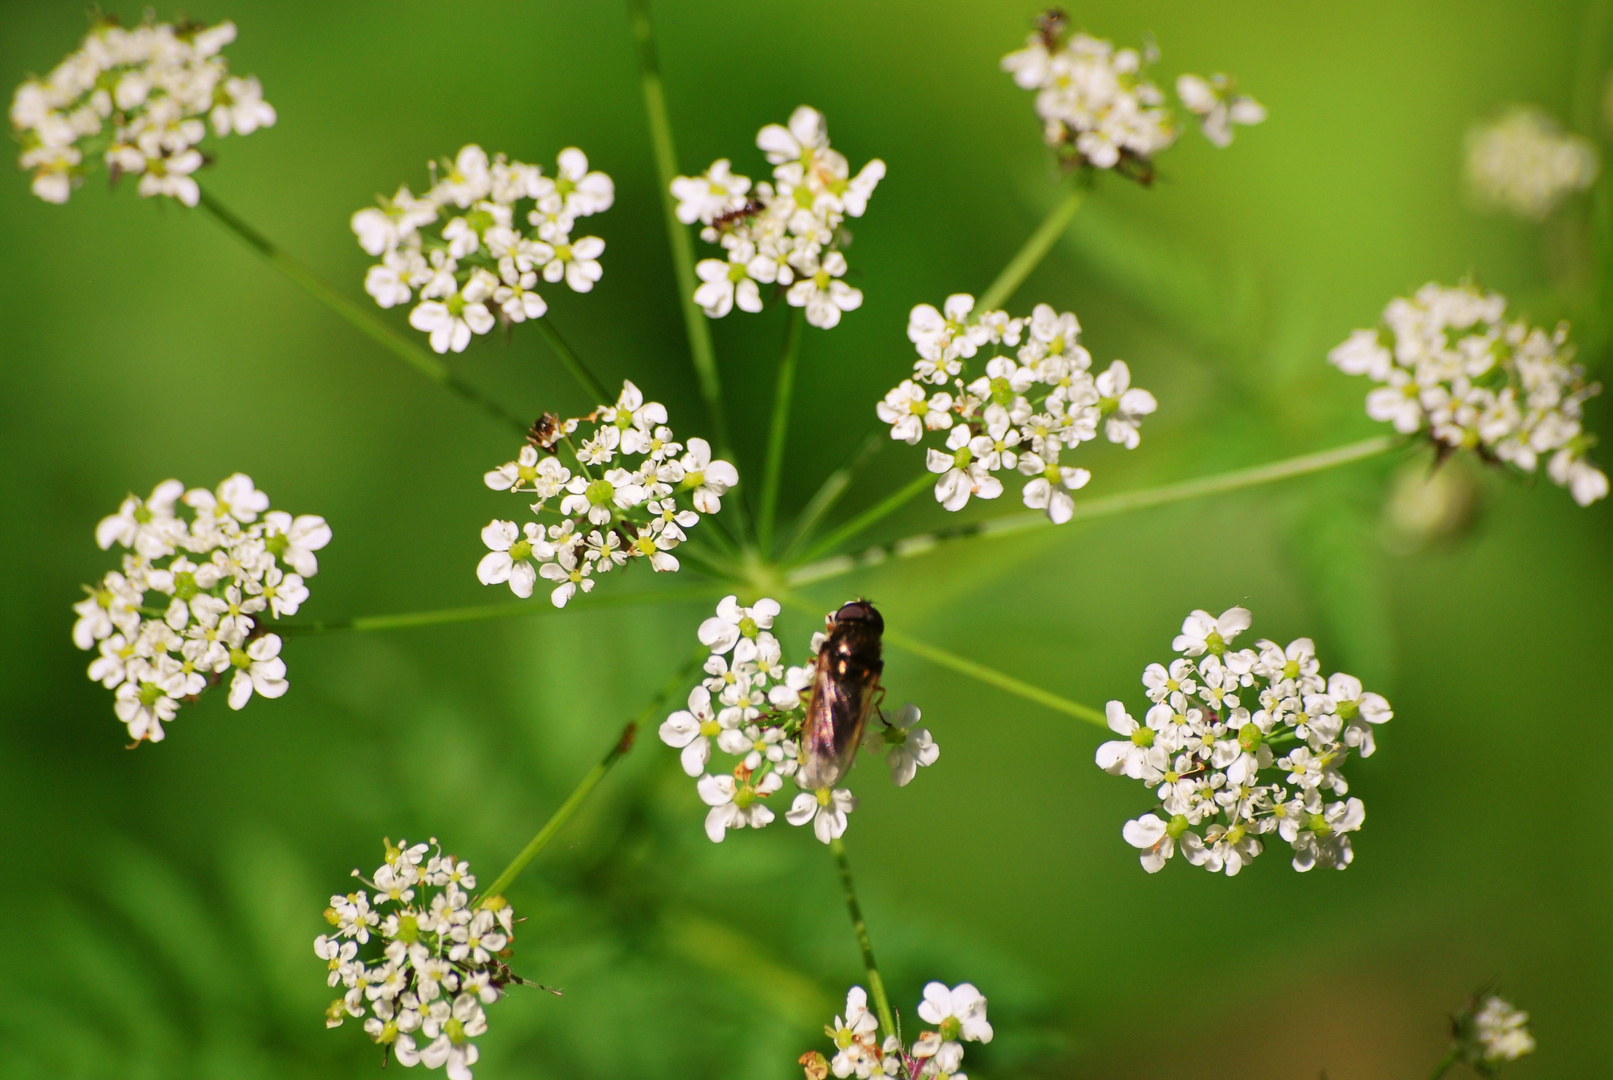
(1523,162)
(753,707)
(136,100)
(1454,367)
(1021,413)
(958,1015)
(479,267)
(1100,110)
(1495,1033)
(1216,765)
(438,957)
(786,233)
(186,607)
(612,509)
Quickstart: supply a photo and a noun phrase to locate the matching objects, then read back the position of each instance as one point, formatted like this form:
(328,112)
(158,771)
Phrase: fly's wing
(837,711)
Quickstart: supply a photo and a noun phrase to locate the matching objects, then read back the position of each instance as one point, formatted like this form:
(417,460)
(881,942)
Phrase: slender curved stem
(779,431)
(356,315)
(666,169)
(568,356)
(834,485)
(1106,506)
(446,616)
(993,677)
(566,809)
(1445,1063)
(882,509)
(1035,249)
(876,985)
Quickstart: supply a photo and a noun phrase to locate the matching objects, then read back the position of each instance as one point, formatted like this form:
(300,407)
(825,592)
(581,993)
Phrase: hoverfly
(845,688)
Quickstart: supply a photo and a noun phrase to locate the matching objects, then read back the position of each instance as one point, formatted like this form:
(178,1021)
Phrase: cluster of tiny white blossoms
(1524,162)
(787,233)
(138,100)
(1021,413)
(958,1016)
(479,267)
(185,608)
(1218,767)
(1491,1032)
(752,707)
(1456,369)
(437,957)
(1100,110)
(612,508)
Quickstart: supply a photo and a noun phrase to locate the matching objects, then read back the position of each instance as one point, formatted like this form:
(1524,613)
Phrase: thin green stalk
(563,813)
(993,677)
(1041,241)
(882,509)
(447,616)
(1107,506)
(1445,1063)
(780,429)
(568,356)
(356,315)
(876,985)
(666,169)
(834,486)
(1588,68)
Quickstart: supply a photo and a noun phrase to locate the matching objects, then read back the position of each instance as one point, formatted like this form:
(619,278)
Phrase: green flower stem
(1040,243)
(1106,506)
(568,356)
(780,428)
(834,486)
(876,985)
(882,509)
(1445,1063)
(356,315)
(447,616)
(666,169)
(993,677)
(563,813)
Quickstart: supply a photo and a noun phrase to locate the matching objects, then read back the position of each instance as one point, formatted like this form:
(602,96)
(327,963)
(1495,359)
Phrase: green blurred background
(164,901)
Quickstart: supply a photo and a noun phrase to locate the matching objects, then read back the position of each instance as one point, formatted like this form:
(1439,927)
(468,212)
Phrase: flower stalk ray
(356,315)
(876,985)
(1034,250)
(778,432)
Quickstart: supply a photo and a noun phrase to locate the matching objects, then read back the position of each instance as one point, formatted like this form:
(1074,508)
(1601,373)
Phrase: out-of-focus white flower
(1522,161)
(1496,1032)
(188,604)
(787,232)
(1218,106)
(1454,369)
(138,98)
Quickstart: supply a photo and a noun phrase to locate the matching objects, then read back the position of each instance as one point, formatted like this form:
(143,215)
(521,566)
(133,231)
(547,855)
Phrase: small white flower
(707,479)
(959,1014)
(826,809)
(911,412)
(734,804)
(823,294)
(258,668)
(510,555)
(907,747)
(1501,1031)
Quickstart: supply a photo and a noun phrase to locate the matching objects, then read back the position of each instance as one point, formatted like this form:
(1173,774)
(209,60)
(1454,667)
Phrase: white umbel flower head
(627,490)
(1497,1033)
(786,233)
(751,714)
(1239,744)
(463,253)
(1100,110)
(136,100)
(1454,370)
(418,955)
(189,605)
(1024,410)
